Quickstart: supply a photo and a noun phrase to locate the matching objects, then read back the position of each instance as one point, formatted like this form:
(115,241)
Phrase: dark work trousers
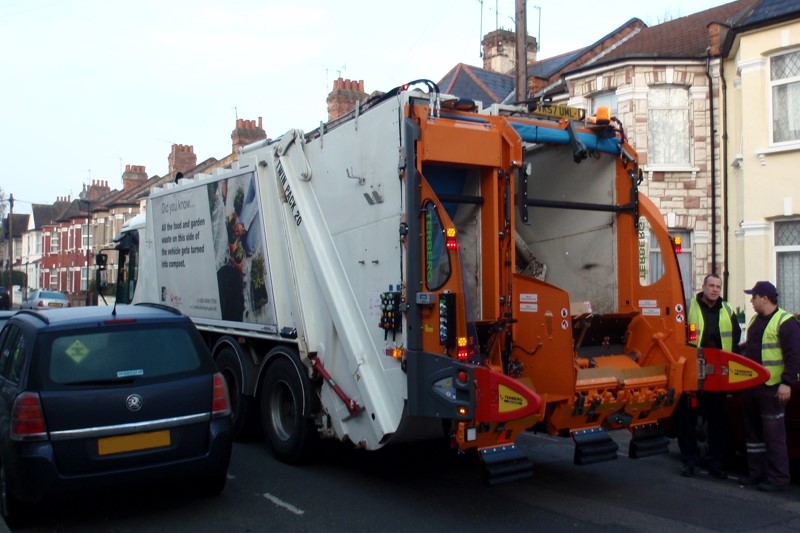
(765,435)
(711,406)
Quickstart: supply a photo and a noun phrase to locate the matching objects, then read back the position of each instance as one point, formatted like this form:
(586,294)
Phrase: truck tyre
(290,434)
(243,419)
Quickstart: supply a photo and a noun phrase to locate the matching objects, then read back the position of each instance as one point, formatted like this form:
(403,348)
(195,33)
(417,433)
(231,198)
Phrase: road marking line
(288,506)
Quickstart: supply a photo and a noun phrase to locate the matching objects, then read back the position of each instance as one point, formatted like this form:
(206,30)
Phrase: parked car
(42,299)
(4,316)
(5,300)
(98,398)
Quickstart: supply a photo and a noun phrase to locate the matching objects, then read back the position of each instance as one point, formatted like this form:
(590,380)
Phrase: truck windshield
(128,249)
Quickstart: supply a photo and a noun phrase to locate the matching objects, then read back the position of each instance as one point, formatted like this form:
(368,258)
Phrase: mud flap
(647,440)
(505,463)
(593,446)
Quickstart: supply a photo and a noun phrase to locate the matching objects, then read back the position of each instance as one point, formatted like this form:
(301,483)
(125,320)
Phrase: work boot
(687,471)
(766,486)
(749,481)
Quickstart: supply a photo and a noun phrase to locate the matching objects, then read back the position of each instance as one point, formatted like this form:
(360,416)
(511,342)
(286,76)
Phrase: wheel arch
(284,351)
(246,367)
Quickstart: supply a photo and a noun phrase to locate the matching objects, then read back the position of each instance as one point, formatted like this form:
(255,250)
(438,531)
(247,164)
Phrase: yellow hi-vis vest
(771,353)
(726,319)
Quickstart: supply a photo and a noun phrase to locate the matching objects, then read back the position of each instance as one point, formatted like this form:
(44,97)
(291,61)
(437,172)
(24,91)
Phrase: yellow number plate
(129,443)
(559,111)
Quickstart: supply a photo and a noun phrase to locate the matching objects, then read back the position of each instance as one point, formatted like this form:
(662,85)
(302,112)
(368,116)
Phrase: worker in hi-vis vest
(773,339)
(712,324)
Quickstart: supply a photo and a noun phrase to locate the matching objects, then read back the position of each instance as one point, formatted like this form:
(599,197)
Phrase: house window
(608,100)
(784,79)
(84,236)
(787,260)
(685,263)
(53,280)
(54,243)
(668,126)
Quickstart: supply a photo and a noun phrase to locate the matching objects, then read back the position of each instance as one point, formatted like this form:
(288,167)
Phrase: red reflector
(27,419)
(463,377)
(221,403)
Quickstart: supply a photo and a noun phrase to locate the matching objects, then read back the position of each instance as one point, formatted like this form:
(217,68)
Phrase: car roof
(80,316)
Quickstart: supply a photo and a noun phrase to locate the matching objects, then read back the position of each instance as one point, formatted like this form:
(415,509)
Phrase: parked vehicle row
(98,397)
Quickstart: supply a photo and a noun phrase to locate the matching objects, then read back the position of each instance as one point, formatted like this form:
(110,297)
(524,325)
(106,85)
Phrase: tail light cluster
(27,418)
(221,403)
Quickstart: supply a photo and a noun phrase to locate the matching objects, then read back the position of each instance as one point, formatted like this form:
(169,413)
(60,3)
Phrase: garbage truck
(426,267)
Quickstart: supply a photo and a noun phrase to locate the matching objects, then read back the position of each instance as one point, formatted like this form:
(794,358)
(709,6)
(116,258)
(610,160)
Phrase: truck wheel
(243,425)
(290,434)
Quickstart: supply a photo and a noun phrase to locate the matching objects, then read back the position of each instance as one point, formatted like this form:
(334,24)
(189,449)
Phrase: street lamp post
(10,287)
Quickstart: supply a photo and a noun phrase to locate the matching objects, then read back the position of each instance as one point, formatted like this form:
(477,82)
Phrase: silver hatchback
(41,299)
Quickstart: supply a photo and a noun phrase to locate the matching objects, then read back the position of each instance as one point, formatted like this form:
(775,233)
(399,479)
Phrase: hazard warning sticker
(77,351)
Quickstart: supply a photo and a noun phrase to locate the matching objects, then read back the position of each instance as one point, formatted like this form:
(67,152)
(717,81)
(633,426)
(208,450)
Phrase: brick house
(659,85)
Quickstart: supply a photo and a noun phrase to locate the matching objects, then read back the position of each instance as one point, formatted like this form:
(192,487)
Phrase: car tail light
(40,304)
(27,418)
(221,403)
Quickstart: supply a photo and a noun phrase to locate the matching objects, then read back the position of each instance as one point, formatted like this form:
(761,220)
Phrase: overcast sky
(89,86)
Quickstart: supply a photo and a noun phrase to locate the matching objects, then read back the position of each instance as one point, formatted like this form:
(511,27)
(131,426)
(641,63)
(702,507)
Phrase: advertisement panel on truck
(214,231)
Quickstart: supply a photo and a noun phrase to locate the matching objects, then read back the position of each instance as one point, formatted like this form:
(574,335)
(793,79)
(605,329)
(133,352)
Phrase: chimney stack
(133,176)
(344,96)
(246,132)
(181,159)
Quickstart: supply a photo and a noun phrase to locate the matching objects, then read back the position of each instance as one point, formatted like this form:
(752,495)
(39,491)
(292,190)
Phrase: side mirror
(101,260)
(101,274)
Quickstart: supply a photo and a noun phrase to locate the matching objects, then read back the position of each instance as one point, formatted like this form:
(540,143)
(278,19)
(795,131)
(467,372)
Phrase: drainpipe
(725,223)
(713,169)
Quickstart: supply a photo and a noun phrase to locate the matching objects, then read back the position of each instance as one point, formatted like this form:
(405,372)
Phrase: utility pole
(10,287)
(522,52)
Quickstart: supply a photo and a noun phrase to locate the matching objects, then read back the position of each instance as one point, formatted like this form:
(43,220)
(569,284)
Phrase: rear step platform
(593,446)
(647,440)
(505,463)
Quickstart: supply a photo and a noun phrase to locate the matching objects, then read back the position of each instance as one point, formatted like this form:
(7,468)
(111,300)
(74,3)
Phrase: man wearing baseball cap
(773,339)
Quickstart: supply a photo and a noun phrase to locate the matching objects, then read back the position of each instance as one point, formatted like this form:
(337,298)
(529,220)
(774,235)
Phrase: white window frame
(54,243)
(788,283)
(793,97)
(658,134)
(608,99)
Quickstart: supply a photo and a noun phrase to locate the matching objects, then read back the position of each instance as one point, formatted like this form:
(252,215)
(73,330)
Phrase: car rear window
(53,295)
(108,355)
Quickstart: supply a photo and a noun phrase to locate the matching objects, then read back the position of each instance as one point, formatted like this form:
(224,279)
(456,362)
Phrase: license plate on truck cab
(136,441)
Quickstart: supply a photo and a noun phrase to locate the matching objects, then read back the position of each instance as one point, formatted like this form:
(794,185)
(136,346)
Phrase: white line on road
(288,506)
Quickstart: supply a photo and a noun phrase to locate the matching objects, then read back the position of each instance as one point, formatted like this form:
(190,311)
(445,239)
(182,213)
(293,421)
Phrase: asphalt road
(427,487)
